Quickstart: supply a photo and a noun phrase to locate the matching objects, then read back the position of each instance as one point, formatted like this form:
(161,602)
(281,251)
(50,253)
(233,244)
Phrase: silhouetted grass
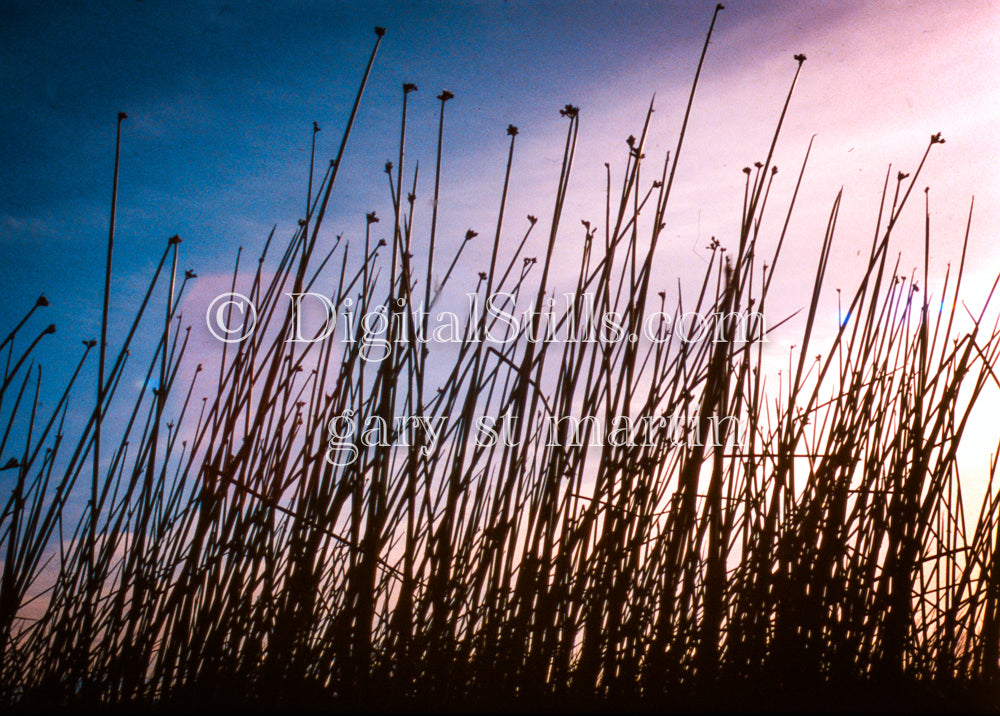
(822,559)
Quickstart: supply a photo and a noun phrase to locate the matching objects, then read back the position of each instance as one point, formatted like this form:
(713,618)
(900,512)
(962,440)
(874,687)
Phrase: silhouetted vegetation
(226,558)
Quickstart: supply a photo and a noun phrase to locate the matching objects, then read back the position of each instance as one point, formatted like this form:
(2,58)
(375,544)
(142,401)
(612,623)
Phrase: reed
(809,547)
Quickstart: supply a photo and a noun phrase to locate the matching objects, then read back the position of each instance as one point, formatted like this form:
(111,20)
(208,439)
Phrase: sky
(221,97)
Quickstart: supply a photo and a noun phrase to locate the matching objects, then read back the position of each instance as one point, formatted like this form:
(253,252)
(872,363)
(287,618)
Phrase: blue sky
(221,98)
